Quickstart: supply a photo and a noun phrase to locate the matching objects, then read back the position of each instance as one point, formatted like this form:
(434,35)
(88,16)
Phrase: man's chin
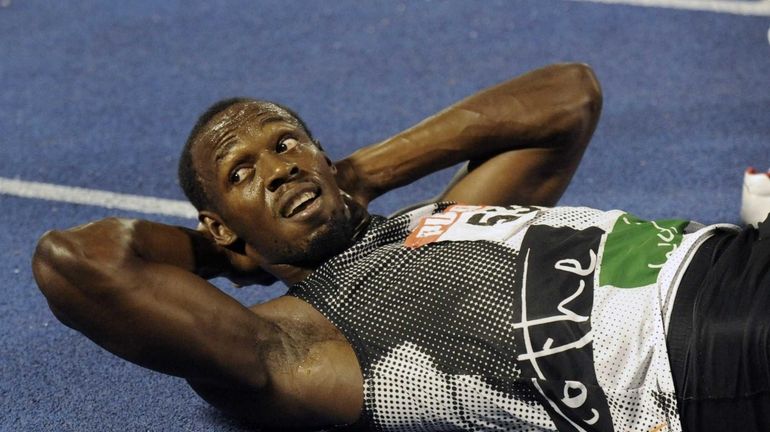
(326,242)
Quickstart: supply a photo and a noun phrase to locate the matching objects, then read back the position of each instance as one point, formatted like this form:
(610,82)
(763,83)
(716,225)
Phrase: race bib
(463,222)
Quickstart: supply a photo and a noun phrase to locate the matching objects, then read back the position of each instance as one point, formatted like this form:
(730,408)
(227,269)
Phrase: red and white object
(755,204)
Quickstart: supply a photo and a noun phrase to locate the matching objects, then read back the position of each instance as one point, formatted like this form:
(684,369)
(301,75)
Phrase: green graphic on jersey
(636,250)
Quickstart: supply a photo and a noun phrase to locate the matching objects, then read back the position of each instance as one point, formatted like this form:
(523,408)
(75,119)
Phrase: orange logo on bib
(432,227)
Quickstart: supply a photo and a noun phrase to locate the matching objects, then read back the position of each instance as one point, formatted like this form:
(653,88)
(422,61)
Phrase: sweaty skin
(281,207)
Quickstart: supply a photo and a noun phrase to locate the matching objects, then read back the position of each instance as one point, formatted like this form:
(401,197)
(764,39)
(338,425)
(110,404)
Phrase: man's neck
(291,274)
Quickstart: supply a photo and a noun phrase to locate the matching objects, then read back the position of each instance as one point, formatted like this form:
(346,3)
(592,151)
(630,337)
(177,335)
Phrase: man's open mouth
(299,200)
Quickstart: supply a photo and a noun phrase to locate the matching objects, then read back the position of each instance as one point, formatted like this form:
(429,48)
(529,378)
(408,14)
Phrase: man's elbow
(586,101)
(52,255)
(588,91)
(71,264)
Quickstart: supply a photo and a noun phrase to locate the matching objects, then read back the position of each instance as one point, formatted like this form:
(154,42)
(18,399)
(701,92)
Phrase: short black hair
(189,179)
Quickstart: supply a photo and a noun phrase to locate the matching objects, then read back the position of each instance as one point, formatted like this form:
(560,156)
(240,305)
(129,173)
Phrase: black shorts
(719,334)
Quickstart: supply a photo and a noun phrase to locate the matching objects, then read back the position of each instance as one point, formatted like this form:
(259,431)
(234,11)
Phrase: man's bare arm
(131,287)
(523,140)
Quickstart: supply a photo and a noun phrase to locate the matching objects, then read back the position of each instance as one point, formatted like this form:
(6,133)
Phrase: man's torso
(489,315)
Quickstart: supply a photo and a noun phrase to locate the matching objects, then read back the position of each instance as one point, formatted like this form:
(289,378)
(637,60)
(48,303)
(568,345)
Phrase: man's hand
(350,182)
(246,272)
(243,270)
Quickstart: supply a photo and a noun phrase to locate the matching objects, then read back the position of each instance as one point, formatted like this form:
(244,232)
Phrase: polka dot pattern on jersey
(449,338)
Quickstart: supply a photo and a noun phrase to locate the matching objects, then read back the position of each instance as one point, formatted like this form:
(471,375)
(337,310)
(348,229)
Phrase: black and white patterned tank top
(509,318)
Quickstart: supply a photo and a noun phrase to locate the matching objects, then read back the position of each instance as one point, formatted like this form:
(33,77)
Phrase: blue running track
(101,95)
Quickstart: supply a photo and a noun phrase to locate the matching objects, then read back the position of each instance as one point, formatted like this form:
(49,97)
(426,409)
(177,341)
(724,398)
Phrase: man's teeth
(299,200)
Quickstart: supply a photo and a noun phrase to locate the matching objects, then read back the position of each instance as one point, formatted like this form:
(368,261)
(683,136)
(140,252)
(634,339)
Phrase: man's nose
(279,171)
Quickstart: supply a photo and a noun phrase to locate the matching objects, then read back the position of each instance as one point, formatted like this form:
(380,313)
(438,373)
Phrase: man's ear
(223,235)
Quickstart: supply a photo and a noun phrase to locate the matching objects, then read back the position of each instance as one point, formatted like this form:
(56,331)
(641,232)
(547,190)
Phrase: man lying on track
(486,309)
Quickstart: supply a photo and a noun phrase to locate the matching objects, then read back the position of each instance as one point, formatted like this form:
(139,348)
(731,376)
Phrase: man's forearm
(129,286)
(181,247)
(545,108)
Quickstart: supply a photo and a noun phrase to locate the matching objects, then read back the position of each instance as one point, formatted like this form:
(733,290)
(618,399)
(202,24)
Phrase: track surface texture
(101,95)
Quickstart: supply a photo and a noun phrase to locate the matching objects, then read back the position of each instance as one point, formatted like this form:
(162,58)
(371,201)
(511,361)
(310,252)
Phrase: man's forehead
(220,134)
(250,114)
(243,117)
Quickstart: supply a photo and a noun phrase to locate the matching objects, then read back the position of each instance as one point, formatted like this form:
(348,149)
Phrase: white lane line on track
(757,8)
(99,198)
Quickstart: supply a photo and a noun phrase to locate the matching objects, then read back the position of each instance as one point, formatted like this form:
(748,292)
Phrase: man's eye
(286,144)
(239,175)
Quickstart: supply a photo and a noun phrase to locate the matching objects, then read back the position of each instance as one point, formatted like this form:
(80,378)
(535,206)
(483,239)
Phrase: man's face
(272,186)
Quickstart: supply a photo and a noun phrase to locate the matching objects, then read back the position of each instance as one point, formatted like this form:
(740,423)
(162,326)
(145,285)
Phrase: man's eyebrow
(229,141)
(271,119)
(224,147)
